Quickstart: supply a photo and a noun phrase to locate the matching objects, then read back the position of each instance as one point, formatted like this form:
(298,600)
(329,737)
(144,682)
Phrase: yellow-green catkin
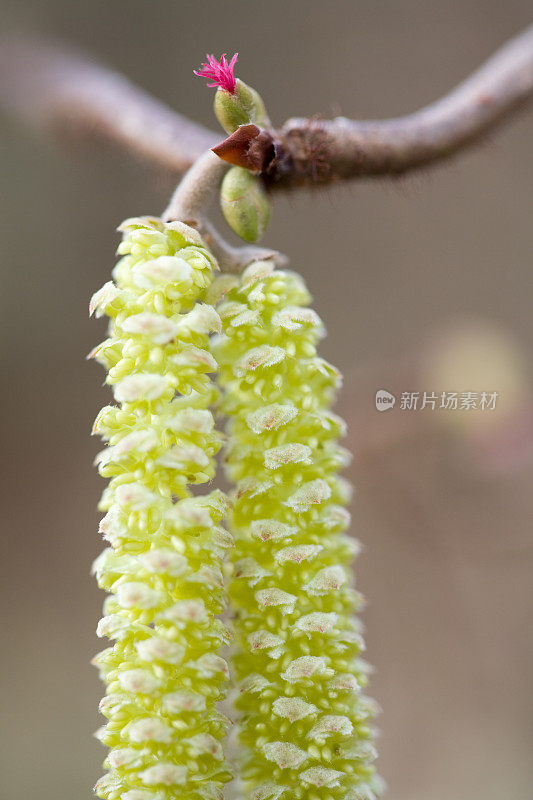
(305,725)
(164,675)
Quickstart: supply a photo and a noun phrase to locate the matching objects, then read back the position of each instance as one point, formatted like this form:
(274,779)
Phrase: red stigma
(220,73)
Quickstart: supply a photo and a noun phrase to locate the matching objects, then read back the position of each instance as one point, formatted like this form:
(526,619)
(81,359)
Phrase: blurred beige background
(425,283)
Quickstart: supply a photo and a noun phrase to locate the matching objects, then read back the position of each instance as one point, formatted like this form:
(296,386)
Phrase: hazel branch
(347,148)
(58,89)
(196,190)
(54,88)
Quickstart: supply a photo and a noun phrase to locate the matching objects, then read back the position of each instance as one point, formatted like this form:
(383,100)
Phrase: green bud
(245,105)
(245,204)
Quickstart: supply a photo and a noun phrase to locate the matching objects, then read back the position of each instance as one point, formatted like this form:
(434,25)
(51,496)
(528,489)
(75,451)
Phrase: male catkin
(305,724)
(164,675)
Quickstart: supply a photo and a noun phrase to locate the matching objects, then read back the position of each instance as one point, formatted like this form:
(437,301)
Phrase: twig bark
(55,88)
(196,190)
(51,87)
(348,149)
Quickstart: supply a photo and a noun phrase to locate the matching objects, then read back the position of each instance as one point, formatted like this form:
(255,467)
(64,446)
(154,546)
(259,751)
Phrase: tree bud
(241,107)
(245,204)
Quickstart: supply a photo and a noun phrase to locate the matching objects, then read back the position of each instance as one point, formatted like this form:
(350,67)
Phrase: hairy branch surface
(54,88)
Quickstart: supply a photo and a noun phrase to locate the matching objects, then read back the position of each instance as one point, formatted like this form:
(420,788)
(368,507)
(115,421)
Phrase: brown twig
(348,149)
(51,86)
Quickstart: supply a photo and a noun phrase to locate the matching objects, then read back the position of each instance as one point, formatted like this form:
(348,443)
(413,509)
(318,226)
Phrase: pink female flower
(221,74)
